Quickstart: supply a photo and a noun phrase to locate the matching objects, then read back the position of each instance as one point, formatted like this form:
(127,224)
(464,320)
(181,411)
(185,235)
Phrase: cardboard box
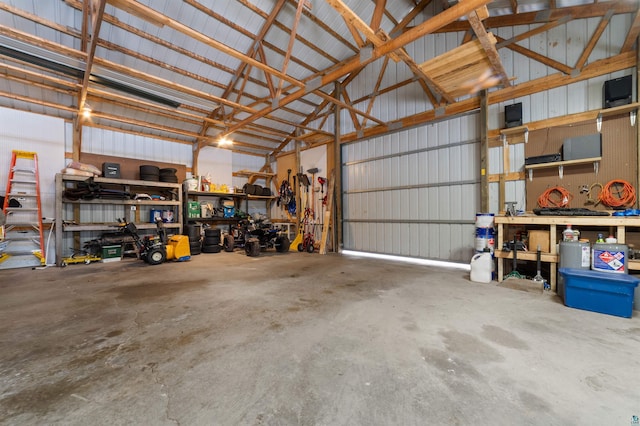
(539,238)
(602,292)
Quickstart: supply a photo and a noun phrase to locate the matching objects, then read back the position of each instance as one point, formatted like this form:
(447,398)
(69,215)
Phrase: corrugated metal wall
(415,192)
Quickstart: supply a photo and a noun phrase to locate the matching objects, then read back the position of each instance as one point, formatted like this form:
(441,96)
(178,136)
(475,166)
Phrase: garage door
(415,192)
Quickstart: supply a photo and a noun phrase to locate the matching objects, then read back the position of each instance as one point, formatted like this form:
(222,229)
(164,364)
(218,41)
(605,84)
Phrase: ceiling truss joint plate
(313,84)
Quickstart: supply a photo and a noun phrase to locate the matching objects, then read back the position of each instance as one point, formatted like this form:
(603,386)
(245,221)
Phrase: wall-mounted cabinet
(86,217)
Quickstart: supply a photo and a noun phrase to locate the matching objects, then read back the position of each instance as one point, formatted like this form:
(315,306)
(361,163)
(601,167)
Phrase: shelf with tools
(615,225)
(86,206)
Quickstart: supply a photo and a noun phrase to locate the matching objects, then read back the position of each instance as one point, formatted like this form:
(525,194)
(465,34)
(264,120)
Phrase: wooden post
(77,138)
(484,152)
(337,228)
(328,214)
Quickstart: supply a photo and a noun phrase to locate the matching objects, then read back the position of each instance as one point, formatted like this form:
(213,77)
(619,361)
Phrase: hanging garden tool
(322,181)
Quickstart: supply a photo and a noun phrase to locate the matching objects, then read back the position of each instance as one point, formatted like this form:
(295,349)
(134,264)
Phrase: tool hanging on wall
(322,181)
(313,172)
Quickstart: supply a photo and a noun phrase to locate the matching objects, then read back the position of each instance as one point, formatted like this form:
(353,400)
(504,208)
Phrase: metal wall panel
(107,142)
(414,192)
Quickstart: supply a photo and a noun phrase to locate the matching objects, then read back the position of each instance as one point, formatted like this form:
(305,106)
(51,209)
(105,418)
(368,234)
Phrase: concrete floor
(290,339)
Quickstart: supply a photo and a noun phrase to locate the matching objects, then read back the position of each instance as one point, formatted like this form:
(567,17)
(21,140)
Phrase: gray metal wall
(413,193)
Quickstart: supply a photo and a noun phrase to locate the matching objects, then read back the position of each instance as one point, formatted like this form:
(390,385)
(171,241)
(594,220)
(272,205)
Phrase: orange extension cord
(549,199)
(613,195)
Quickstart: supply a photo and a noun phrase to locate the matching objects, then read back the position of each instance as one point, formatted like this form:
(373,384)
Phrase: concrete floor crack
(164,393)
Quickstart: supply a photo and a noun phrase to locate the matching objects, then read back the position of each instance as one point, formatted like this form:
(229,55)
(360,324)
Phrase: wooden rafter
(292,39)
(594,69)
(376,88)
(377,38)
(535,56)
(354,117)
(152,16)
(632,36)
(410,16)
(533,18)
(378,13)
(538,30)
(429,26)
(267,77)
(593,41)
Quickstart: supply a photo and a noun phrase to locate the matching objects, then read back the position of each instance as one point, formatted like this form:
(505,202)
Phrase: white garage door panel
(420,201)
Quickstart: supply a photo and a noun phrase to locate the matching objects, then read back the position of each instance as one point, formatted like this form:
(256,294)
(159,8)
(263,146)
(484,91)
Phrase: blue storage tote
(597,291)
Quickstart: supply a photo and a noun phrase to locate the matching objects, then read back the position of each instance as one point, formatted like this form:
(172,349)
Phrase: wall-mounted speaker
(617,92)
(513,115)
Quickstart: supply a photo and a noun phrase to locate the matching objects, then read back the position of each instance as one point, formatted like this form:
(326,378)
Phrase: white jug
(482,267)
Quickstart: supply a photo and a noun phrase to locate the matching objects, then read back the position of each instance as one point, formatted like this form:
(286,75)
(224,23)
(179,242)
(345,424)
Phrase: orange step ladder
(23,233)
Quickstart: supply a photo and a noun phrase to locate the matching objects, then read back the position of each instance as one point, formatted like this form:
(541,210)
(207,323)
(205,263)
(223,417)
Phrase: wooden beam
(427,27)
(602,25)
(537,30)
(590,10)
(484,152)
(153,16)
(378,12)
(353,115)
(375,88)
(565,69)
(292,39)
(410,16)
(632,35)
(595,69)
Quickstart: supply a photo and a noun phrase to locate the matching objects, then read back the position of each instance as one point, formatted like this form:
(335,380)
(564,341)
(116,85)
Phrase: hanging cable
(555,197)
(618,193)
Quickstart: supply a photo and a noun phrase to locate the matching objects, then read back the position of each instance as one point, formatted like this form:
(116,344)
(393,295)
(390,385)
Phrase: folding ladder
(23,233)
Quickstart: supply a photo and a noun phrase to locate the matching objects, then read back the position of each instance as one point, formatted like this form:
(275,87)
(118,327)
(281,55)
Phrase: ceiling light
(86,111)
(224,141)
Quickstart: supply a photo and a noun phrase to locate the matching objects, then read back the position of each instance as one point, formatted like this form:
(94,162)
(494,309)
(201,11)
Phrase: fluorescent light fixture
(416,261)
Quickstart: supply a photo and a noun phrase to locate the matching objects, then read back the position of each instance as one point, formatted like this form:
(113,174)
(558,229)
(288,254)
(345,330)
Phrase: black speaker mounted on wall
(617,92)
(513,115)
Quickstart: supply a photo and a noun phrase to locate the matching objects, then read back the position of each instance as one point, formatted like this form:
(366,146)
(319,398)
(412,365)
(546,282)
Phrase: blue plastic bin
(602,292)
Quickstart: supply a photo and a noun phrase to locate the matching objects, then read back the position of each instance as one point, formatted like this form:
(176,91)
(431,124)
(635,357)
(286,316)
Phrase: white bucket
(190,184)
(482,268)
(484,220)
(485,238)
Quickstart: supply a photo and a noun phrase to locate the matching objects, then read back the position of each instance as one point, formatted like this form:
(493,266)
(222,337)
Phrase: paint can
(610,258)
(155,214)
(167,216)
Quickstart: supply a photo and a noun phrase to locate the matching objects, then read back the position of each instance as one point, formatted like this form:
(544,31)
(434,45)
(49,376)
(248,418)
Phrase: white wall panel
(35,133)
(117,144)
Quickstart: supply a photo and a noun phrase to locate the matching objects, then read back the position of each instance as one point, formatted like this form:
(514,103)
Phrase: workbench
(614,225)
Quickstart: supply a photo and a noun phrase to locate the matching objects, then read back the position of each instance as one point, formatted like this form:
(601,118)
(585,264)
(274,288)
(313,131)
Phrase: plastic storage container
(601,292)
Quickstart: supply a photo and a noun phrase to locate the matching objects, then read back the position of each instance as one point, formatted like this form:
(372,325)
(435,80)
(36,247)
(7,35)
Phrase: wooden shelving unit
(71,214)
(618,224)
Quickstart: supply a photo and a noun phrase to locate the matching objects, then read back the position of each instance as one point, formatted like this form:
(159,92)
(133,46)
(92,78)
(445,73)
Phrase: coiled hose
(618,193)
(555,197)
